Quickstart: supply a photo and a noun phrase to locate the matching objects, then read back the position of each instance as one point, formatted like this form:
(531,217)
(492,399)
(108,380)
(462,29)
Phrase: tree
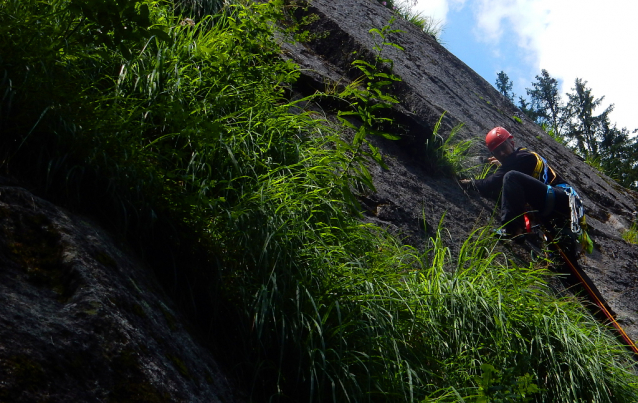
(526,108)
(612,150)
(619,156)
(546,104)
(585,127)
(504,86)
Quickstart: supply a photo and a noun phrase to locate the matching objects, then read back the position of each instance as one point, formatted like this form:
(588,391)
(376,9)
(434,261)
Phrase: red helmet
(496,137)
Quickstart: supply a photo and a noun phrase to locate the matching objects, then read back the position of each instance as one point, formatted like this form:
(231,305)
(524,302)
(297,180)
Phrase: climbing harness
(550,200)
(577,213)
(542,167)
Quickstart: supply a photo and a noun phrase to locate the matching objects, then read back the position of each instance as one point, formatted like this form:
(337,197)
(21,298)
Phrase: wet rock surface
(411,196)
(82,321)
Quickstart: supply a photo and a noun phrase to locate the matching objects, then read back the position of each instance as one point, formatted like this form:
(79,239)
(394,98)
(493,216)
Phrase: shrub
(445,155)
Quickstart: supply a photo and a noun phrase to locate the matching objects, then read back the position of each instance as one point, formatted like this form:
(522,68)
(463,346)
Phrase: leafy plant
(594,162)
(501,386)
(368,96)
(552,133)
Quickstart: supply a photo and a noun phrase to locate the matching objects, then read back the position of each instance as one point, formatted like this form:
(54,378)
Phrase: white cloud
(596,44)
(573,38)
(588,39)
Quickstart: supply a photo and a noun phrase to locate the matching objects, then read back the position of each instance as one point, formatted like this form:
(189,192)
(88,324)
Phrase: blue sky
(589,39)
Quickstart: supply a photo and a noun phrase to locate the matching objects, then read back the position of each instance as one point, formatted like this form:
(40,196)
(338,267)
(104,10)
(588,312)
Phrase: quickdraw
(577,213)
(575,207)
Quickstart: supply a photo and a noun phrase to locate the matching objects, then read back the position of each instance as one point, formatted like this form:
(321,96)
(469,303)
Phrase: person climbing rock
(525,181)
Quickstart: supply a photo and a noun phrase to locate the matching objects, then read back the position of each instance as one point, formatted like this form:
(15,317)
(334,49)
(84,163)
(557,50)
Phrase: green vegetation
(404,9)
(577,124)
(444,155)
(486,169)
(245,202)
(631,235)
(504,86)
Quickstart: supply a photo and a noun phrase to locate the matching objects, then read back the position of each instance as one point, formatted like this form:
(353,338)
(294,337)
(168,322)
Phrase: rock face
(80,321)
(435,81)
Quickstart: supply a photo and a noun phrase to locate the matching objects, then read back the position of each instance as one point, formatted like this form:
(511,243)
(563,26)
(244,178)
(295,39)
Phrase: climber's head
(499,142)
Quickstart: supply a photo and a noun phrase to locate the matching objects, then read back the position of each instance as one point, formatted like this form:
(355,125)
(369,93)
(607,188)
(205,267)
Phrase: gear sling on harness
(577,213)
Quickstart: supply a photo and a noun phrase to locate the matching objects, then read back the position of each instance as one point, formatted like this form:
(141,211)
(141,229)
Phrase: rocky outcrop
(83,321)
(435,81)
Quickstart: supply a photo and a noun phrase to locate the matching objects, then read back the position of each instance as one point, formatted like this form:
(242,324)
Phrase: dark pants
(520,192)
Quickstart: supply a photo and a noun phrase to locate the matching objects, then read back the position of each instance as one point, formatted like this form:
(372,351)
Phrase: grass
(188,146)
(405,10)
(631,235)
(445,155)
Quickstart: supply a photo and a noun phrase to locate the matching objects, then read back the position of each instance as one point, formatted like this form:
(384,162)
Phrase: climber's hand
(494,161)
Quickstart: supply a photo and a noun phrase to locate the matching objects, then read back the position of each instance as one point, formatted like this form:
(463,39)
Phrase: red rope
(630,344)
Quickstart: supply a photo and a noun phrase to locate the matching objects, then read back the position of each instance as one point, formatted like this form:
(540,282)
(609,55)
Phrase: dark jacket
(521,160)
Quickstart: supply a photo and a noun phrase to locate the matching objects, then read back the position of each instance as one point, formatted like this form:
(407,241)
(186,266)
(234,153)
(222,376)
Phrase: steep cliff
(435,81)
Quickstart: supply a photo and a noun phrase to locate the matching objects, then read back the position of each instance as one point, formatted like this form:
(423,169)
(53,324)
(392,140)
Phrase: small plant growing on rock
(445,155)
(404,9)
(631,235)
(367,95)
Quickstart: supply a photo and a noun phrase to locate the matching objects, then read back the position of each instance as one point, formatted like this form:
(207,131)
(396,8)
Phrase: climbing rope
(594,297)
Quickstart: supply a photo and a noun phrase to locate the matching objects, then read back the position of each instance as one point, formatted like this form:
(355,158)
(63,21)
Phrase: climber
(525,179)
(527,184)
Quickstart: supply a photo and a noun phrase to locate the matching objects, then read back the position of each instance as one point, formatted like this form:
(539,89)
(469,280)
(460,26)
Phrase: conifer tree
(619,155)
(546,103)
(504,85)
(585,127)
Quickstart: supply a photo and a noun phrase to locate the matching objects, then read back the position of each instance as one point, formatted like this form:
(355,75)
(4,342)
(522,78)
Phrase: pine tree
(619,155)
(526,108)
(585,127)
(546,104)
(504,86)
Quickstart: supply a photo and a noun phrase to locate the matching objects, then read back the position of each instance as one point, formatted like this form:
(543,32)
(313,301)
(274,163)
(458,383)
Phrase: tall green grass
(243,202)
(446,155)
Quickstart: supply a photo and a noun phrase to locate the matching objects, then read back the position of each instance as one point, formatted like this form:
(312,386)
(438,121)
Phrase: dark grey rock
(83,321)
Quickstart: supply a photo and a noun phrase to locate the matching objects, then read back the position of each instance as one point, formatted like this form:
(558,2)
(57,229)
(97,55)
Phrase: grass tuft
(445,155)
(405,10)
(631,235)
